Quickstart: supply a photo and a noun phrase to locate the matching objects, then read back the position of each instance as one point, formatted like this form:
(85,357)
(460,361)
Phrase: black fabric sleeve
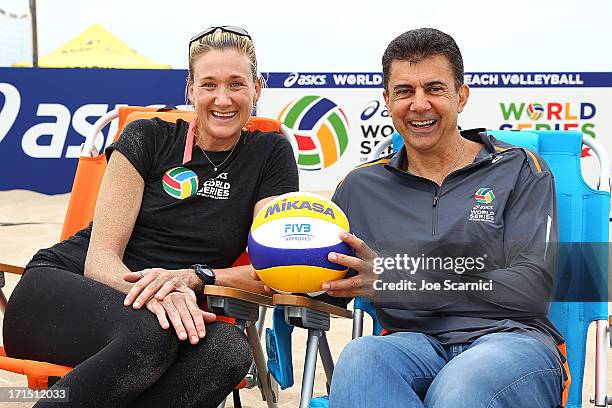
(138,143)
(280,174)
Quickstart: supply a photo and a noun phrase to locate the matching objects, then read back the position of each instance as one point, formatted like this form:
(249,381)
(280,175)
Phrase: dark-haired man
(461,347)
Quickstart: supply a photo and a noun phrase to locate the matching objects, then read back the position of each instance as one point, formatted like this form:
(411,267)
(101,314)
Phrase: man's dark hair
(416,45)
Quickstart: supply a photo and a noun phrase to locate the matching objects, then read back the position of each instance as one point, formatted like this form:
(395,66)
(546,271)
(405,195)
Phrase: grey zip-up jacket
(499,210)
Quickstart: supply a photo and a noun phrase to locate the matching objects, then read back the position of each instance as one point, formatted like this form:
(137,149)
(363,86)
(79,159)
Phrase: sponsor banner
(326,157)
(45,115)
(324,80)
(338,118)
(538,79)
(473,79)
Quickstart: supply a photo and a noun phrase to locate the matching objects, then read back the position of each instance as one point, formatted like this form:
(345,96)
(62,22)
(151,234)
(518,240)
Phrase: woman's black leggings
(122,357)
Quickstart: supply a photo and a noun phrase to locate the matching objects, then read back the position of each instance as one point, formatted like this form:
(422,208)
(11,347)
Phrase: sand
(29,221)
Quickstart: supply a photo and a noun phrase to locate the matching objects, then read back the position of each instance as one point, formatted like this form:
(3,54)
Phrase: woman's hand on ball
(363,263)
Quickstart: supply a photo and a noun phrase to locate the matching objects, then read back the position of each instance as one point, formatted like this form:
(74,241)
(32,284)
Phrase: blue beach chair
(584,215)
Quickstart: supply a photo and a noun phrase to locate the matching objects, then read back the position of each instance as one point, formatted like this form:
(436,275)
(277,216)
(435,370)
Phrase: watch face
(206,274)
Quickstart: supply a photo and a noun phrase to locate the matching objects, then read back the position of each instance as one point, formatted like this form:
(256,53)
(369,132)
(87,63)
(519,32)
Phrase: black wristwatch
(205,273)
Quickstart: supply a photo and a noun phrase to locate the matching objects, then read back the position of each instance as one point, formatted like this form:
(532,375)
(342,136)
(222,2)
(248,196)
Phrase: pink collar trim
(189,142)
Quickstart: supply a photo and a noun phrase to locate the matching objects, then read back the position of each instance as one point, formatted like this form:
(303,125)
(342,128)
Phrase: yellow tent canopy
(95,47)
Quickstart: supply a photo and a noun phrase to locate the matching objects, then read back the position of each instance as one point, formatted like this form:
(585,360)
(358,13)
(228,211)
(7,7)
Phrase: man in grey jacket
(461,270)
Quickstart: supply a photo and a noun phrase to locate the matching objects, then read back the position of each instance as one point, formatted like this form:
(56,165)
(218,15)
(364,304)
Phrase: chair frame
(249,310)
(88,148)
(314,316)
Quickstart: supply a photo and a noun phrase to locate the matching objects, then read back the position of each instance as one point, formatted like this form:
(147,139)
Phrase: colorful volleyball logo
(321,129)
(535,111)
(484,195)
(180,182)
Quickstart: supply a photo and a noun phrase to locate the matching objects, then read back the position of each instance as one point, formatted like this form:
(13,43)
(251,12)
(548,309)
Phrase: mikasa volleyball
(290,239)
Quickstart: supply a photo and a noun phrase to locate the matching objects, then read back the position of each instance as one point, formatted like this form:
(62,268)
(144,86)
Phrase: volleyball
(290,239)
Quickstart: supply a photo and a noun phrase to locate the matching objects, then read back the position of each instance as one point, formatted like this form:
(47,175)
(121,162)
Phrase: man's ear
(464,94)
(386,97)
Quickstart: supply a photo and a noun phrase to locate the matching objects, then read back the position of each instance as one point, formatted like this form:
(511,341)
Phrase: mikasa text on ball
(290,239)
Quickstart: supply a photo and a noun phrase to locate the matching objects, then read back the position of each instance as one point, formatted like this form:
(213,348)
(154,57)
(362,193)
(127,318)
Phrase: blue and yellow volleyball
(290,239)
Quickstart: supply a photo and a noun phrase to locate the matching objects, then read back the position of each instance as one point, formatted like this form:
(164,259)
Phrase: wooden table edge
(234,293)
(302,301)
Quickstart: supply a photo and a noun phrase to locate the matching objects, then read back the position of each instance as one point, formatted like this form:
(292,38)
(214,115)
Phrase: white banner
(338,118)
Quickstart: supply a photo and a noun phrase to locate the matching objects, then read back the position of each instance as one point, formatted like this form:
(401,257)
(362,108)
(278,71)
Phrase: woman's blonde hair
(222,40)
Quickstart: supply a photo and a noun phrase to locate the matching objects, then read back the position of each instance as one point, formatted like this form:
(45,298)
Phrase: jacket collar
(479,135)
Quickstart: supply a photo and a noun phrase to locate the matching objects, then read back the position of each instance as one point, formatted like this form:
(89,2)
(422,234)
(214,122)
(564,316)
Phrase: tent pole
(34,33)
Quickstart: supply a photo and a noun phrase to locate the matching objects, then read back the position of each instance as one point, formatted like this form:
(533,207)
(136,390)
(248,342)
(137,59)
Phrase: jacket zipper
(436,197)
(438,193)
(434,218)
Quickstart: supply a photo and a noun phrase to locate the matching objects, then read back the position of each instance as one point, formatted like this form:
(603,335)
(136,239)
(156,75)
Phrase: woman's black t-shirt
(190,213)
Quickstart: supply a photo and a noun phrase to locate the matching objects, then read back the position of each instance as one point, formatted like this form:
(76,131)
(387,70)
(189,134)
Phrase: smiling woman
(222,86)
(169,220)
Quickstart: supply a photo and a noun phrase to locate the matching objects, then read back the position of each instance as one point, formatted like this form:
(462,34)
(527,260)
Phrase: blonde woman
(118,300)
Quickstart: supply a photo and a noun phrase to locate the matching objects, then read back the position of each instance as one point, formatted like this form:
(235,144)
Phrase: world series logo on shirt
(217,188)
(483,211)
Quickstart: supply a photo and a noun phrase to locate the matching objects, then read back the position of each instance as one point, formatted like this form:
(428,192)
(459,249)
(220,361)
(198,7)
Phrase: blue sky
(324,35)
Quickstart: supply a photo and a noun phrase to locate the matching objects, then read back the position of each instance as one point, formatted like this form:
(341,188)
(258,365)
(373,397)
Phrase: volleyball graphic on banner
(180,182)
(535,111)
(291,238)
(321,129)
